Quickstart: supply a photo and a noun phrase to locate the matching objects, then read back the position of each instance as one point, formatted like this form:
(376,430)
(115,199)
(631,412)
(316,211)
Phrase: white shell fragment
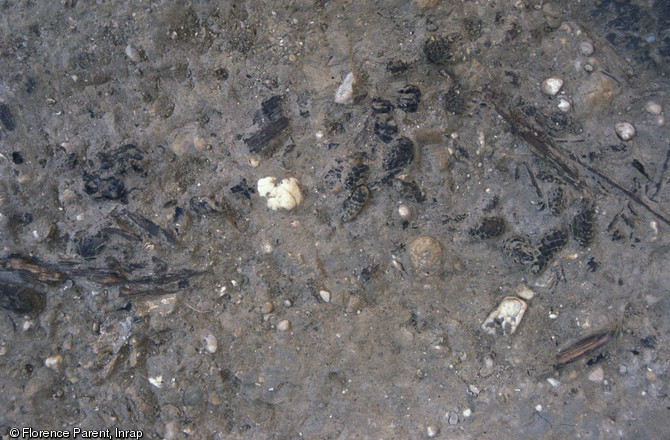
(285,195)
(551,86)
(345,92)
(325,295)
(506,316)
(624,130)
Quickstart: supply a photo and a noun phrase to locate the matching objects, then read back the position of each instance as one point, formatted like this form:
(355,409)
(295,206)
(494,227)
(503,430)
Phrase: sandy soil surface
(474,243)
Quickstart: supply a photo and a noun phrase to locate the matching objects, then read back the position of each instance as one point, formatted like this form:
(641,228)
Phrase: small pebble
(467,412)
(586,48)
(624,130)
(551,86)
(564,105)
(452,418)
(426,254)
(660,120)
(653,108)
(623,369)
(284,325)
(524,292)
(597,375)
(287,303)
(404,211)
(553,382)
(432,431)
(209,341)
(538,408)
(325,295)
(54,362)
(268,307)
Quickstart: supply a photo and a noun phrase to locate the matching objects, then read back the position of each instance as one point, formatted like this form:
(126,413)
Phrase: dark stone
(17,158)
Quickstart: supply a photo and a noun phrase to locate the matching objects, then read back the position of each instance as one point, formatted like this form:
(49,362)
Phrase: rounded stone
(426,254)
(284,325)
(653,108)
(586,48)
(551,86)
(624,130)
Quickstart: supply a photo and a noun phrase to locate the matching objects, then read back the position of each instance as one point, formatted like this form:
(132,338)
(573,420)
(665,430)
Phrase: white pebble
(54,362)
(625,130)
(538,408)
(564,105)
(467,412)
(660,120)
(284,325)
(506,317)
(586,48)
(553,382)
(432,431)
(325,295)
(209,341)
(597,375)
(285,195)
(551,86)
(653,108)
(404,211)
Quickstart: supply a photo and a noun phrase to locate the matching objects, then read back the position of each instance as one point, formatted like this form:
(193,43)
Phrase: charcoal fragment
(520,250)
(409,98)
(550,244)
(89,247)
(444,49)
(398,155)
(385,127)
(489,227)
(21,299)
(355,203)
(6,117)
(583,226)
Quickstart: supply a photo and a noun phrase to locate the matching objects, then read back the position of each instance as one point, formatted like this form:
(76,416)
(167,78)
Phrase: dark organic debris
(583,224)
(355,203)
(583,347)
(520,250)
(550,244)
(409,98)
(6,117)
(398,155)
(489,227)
(33,269)
(21,299)
(266,139)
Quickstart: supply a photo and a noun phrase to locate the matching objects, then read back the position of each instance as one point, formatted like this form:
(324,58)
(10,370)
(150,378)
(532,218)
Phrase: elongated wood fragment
(582,347)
